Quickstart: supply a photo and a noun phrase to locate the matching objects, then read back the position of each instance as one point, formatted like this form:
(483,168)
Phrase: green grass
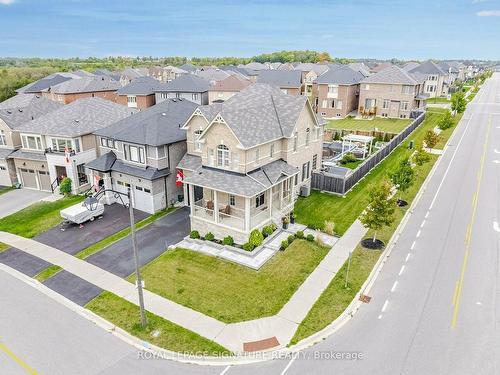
(352,164)
(47,273)
(335,299)
(5,189)
(3,247)
(438,100)
(319,207)
(171,336)
(37,218)
(389,125)
(227,291)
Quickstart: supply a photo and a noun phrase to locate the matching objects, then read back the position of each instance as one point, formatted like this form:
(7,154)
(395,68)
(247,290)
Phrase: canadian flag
(67,154)
(179,178)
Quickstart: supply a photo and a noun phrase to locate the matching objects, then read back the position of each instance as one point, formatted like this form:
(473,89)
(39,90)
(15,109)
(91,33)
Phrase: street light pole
(348,267)
(136,260)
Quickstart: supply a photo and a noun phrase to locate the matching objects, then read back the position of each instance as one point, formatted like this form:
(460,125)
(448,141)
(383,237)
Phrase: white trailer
(80,213)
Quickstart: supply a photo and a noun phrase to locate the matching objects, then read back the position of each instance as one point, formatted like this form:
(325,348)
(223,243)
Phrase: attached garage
(143,199)
(4,175)
(28,178)
(44,180)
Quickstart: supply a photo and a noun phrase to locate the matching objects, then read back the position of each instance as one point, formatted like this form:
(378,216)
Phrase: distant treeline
(13,78)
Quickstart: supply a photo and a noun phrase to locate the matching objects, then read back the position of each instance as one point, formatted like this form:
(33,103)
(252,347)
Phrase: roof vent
(9,112)
(20,110)
(174,100)
(76,120)
(163,114)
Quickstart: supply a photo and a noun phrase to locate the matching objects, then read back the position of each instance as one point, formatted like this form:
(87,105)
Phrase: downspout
(168,161)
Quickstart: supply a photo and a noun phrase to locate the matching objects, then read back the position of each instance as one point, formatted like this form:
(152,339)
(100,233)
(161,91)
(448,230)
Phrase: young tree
(402,178)
(421,156)
(446,121)
(431,138)
(380,211)
(458,102)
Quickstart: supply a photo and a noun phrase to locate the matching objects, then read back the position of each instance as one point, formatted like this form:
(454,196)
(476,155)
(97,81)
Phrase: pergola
(360,143)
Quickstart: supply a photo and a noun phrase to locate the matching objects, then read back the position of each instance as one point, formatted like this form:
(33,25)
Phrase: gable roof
(391,75)
(154,126)
(340,75)
(258,114)
(86,84)
(23,108)
(307,67)
(231,83)
(83,116)
(139,86)
(212,74)
(45,83)
(188,67)
(184,83)
(428,67)
(281,78)
(379,67)
(410,65)
(360,67)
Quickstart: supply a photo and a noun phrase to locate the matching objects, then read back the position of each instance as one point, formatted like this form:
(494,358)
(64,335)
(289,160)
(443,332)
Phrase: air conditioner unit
(305,191)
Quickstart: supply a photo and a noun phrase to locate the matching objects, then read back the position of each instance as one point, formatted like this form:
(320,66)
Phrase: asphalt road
(434,308)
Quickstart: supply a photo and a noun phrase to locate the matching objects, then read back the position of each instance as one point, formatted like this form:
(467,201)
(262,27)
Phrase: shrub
(268,230)
(290,239)
(348,158)
(421,157)
(194,234)
(446,121)
(310,237)
(209,236)
(284,244)
(319,241)
(248,246)
(65,186)
(256,238)
(299,234)
(228,240)
(431,138)
(329,227)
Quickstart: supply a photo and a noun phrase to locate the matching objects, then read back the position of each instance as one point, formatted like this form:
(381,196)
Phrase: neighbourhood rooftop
(340,75)
(24,108)
(281,78)
(139,86)
(184,83)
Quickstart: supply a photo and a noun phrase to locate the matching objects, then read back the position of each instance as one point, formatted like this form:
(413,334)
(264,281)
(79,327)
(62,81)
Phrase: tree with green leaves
(458,102)
(65,186)
(380,210)
(402,178)
(421,156)
(446,121)
(431,138)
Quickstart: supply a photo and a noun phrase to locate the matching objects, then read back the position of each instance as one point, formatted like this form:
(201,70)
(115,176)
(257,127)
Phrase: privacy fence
(342,184)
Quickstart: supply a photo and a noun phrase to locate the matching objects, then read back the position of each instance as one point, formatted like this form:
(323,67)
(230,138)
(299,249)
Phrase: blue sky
(363,28)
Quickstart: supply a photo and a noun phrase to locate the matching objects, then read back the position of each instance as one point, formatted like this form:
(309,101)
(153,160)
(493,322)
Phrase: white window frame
(36,138)
(66,143)
(223,160)
(197,143)
(138,151)
(3,138)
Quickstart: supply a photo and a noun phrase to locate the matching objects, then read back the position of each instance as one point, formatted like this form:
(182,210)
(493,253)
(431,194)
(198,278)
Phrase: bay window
(134,154)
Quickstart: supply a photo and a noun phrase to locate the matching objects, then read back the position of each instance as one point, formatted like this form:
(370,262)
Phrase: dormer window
(3,138)
(222,156)
(197,143)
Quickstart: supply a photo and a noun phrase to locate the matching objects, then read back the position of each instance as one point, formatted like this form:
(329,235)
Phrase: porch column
(281,194)
(216,206)
(185,192)
(247,214)
(270,193)
(191,198)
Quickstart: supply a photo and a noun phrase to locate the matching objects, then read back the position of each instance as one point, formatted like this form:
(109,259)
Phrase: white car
(80,213)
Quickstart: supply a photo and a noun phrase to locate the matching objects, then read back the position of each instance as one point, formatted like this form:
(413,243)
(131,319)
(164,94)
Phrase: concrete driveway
(16,200)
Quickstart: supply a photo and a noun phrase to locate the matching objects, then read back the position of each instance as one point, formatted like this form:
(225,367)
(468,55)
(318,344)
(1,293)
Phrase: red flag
(179,178)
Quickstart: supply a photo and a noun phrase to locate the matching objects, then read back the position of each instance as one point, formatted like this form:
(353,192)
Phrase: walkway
(278,329)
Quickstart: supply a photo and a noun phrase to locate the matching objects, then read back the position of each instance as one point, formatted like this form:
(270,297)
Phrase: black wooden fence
(337,184)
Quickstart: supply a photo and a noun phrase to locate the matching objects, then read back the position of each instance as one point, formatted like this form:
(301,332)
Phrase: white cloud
(488,13)
(7,2)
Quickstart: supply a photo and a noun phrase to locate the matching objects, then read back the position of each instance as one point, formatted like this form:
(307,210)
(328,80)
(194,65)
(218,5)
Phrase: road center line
(413,245)
(288,365)
(407,257)
(423,223)
(16,359)
(394,286)
(496,227)
(402,270)
(418,233)
(427,215)
(225,370)
(380,316)
(385,305)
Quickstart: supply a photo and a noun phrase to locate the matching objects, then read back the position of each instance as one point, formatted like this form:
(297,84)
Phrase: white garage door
(143,199)
(28,177)
(123,188)
(4,176)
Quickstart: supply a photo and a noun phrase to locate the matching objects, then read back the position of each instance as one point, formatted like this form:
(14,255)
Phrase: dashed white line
(427,214)
(402,270)
(418,233)
(413,245)
(496,161)
(496,226)
(496,151)
(407,257)
(423,223)
(385,305)
(380,316)
(225,370)
(288,365)
(394,286)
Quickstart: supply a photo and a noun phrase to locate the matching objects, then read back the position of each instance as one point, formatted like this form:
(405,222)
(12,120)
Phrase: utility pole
(347,270)
(144,321)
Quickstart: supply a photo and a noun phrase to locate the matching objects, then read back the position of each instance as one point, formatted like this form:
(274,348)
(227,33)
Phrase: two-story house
(435,79)
(14,112)
(45,83)
(59,143)
(166,73)
(222,90)
(247,159)
(188,86)
(141,152)
(392,92)
(310,72)
(288,81)
(83,87)
(336,92)
(140,93)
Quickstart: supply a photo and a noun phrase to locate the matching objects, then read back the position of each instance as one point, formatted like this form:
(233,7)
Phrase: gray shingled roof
(410,65)
(155,126)
(340,75)
(212,74)
(83,116)
(307,67)
(188,67)
(391,75)
(428,67)
(258,114)
(184,83)
(5,152)
(21,154)
(86,84)
(281,78)
(189,162)
(140,86)
(108,162)
(240,184)
(45,83)
(26,108)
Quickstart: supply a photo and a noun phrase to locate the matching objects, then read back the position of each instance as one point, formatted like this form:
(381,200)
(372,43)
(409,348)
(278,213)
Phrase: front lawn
(319,207)
(37,218)
(159,331)
(227,291)
(335,299)
(352,164)
(438,100)
(389,125)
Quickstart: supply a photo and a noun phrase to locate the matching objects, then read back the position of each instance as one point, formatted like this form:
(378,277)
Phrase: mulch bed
(368,243)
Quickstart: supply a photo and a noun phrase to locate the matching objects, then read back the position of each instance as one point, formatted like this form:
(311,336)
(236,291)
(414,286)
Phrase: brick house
(83,87)
(288,81)
(222,90)
(140,93)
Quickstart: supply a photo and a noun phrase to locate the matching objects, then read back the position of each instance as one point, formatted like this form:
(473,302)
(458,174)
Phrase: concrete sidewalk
(280,327)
